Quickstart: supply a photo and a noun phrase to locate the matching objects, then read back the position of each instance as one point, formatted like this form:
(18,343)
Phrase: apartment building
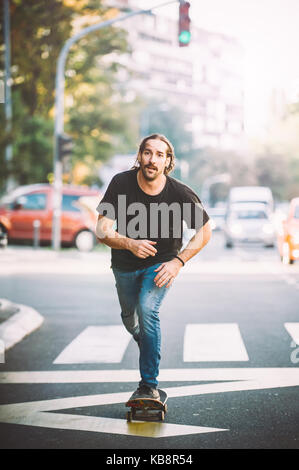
(204,79)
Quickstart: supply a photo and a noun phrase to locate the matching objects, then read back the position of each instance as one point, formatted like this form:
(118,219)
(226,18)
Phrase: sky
(269,33)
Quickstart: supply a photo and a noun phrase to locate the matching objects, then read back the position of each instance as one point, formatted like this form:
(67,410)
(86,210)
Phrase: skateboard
(147,409)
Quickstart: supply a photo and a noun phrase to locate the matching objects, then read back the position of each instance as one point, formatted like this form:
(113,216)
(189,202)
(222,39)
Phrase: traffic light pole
(59,113)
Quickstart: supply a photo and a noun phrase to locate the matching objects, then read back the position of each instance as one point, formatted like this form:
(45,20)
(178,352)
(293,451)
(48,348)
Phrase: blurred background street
(81,83)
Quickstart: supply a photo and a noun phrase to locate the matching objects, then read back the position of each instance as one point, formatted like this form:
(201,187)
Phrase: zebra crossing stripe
(203,342)
(96,344)
(217,342)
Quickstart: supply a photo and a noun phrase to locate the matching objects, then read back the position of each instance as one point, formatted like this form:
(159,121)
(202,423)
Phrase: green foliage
(98,115)
(34,151)
(39,29)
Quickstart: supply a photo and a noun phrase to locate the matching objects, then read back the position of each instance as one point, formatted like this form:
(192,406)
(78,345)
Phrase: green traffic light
(185,37)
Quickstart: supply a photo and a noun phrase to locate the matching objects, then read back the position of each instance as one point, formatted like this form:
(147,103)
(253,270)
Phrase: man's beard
(149,176)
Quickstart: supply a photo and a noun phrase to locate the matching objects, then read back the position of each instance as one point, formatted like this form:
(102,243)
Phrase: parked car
(22,207)
(288,234)
(248,222)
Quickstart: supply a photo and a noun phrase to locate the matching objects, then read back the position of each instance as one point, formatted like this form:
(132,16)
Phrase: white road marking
(293,330)
(202,342)
(96,344)
(213,342)
(110,425)
(35,413)
(133,375)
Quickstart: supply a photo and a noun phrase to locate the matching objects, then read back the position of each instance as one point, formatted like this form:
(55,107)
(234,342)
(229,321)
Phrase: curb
(19,321)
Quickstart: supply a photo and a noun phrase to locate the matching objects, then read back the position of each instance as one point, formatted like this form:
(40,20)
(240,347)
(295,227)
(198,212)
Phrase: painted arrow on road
(37,413)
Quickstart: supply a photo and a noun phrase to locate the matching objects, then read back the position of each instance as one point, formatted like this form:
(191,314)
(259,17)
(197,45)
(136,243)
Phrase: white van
(252,194)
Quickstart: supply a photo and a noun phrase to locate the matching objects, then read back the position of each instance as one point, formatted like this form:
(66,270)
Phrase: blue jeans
(140,300)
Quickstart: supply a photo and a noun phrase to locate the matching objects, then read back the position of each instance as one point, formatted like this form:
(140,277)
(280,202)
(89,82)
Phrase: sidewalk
(27,260)
(16,322)
(20,260)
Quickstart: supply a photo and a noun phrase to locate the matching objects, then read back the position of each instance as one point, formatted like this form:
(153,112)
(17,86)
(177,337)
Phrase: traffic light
(65,148)
(184,24)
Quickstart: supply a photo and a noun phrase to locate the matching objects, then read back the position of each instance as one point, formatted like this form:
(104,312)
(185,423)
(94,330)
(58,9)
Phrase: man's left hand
(167,272)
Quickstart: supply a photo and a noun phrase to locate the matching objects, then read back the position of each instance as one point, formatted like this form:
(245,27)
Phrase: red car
(22,207)
(288,234)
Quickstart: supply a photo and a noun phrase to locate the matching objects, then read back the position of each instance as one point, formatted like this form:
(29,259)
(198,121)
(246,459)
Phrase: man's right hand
(142,248)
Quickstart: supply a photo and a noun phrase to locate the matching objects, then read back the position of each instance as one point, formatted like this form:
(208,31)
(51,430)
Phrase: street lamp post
(59,113)
(7,88)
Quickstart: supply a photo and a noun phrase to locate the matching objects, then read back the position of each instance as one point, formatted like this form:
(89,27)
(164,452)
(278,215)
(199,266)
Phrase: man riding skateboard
(145,248)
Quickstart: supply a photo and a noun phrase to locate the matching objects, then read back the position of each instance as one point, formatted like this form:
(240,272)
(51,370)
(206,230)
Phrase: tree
(273,170)
(39,28)
(276,154)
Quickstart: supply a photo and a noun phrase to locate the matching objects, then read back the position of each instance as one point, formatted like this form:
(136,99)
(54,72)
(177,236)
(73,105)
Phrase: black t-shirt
(158,218)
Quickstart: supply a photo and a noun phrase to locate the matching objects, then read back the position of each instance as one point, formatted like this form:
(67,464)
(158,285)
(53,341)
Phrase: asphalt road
(230,358)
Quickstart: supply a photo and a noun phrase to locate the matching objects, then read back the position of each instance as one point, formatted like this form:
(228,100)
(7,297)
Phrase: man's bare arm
(107,235)
(169,270)
(197,242)
(110,237)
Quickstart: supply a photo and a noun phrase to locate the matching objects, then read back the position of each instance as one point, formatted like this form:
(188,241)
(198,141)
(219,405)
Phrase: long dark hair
(170,151)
